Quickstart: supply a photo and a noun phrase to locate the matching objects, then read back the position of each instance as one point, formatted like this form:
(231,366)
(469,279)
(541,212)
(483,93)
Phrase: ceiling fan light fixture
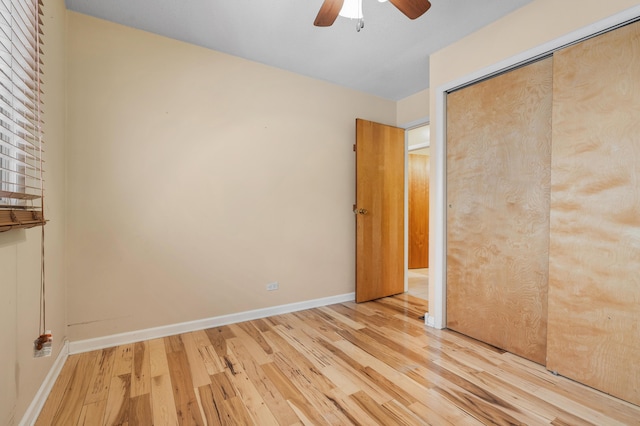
(351,9)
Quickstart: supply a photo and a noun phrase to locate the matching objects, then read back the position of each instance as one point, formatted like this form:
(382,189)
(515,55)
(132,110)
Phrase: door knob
(360,211)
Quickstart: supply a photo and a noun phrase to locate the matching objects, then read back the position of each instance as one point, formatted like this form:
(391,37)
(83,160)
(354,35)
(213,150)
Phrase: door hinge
(354,147)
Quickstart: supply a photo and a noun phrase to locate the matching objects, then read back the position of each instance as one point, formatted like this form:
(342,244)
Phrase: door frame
(437,238)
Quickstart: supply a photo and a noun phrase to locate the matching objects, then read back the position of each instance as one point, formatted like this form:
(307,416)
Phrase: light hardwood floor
(370,363)
(419,283)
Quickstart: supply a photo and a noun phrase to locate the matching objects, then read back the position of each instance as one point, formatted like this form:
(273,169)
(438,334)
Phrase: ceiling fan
(330,10)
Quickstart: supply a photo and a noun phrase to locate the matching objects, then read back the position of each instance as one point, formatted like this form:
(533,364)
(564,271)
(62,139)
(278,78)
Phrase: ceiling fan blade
(328,13)
(412,8)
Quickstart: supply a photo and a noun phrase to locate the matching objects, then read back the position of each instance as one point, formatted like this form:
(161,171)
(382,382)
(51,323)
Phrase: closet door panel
(498,179)
(594,275)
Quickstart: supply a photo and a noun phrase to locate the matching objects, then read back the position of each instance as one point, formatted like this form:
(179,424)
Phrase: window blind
(21,142)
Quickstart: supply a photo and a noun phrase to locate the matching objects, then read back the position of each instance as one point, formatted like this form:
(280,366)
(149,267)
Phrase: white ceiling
(388,58)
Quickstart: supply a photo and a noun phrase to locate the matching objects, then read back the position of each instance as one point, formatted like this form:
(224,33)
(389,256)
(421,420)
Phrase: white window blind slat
(21,127)
(31,162)
(21,153)
(28,154)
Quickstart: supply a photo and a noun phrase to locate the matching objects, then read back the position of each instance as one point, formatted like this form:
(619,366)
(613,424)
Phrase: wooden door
(418,211)
(594,270)
(498,180)
(380,210)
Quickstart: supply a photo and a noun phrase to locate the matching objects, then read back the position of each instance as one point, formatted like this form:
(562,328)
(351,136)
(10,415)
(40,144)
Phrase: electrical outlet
(272,286)
(42,345)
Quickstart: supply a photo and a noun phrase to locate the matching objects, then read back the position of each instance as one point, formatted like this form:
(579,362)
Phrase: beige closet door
(594,276)
(498,178)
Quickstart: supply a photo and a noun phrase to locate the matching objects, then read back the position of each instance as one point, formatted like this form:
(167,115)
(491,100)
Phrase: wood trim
(17,219)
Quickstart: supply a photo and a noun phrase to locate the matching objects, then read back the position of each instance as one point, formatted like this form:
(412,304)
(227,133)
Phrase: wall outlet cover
(42,345)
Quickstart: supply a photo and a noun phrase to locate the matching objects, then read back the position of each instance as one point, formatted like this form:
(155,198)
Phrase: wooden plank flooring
(366,364)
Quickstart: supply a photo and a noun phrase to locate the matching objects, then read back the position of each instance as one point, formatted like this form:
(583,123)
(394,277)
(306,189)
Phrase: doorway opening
(417,211)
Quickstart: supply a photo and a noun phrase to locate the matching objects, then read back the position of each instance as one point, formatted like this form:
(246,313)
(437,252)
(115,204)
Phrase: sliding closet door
(594,276)
(498,178)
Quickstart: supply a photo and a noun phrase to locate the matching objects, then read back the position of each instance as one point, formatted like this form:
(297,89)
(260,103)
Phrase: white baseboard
(31,415)
(430,321)
(185,327)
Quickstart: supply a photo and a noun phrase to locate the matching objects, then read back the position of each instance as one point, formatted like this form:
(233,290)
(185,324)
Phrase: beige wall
(196,178)
(22,374)
(413,108)
(539,22)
